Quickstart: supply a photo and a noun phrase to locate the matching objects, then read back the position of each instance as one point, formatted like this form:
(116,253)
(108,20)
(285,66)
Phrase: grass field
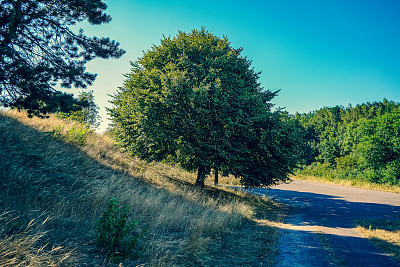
(58,176)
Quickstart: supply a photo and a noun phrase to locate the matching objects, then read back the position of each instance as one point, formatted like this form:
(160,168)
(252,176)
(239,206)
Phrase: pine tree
(38,49)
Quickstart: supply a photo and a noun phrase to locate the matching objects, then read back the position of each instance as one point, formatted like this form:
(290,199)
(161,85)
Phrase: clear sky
(319,53)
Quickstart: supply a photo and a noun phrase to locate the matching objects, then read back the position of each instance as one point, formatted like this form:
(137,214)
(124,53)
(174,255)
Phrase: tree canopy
(361,142)
(194,100)
(38,50)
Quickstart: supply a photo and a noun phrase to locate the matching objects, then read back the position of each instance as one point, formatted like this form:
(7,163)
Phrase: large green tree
(194,100)
(38,50)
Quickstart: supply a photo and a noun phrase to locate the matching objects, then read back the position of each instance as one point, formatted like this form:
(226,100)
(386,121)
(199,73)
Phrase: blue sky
(319,53)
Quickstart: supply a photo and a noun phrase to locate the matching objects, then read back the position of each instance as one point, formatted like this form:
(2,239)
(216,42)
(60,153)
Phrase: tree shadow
(42,173)
(334,216)
(330,210)
(310,248)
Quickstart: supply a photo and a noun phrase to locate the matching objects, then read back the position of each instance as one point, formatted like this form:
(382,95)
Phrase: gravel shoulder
(319,230)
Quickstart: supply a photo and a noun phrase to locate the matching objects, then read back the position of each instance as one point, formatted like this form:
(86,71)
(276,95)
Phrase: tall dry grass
(19,244)
(73,183)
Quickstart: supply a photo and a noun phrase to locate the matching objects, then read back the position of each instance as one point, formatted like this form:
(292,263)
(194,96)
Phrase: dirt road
(319,230)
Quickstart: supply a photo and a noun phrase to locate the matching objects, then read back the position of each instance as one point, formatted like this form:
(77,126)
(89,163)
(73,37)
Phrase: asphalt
(320,228)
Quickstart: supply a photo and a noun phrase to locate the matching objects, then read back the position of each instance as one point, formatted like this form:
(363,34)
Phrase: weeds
(56,132)
(115,235)
(77,135)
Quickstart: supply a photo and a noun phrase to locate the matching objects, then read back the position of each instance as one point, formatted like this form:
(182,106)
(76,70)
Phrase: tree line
(361,142)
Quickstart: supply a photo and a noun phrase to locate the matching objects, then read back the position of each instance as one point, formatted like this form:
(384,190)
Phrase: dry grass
(351,183)
(185,224)
(383,233)
(224,180)
(20,244)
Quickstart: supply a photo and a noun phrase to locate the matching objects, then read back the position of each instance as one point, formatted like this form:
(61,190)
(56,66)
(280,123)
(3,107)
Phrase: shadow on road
(331,211)
(313,214)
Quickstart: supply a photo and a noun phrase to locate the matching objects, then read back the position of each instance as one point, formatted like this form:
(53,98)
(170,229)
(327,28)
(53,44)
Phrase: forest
(356,143)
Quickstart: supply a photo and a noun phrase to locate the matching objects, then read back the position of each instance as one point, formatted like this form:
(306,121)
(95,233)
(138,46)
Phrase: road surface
(319,230)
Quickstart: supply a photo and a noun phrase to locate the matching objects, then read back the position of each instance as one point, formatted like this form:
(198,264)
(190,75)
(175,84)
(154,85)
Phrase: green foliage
(318,169)
(38,50)
(194,100)
(358,143)
(57,132)
(87,113)
(77,135)
(328,150)
(72,115)
(115,235)
(380,147)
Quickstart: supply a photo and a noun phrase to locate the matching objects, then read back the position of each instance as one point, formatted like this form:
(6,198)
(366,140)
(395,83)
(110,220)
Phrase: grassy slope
(42,176)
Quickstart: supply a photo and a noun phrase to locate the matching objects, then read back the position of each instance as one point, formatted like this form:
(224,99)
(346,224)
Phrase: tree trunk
(216,177)
(201,176)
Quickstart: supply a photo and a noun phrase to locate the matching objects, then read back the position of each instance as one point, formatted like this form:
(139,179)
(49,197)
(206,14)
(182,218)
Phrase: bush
(56,132)
(115,235)
(317,169)
(77,135)
(392,173)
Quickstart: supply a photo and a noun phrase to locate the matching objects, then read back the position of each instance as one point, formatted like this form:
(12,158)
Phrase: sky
(318,53)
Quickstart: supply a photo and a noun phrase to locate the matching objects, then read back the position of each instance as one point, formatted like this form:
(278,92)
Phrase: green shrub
(317,169)
(77,135)
(392,173)
(56,132)
(73,115)
(115,235)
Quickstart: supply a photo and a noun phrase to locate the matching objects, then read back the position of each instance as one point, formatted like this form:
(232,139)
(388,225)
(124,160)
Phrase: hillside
(57,178)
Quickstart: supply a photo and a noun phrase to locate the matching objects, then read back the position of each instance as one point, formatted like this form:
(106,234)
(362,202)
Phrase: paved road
(330,210)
